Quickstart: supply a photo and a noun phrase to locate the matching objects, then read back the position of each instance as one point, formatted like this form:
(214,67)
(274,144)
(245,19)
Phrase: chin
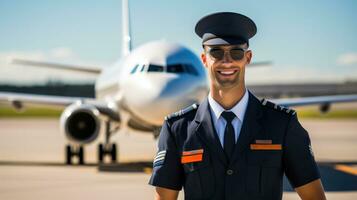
(228,84)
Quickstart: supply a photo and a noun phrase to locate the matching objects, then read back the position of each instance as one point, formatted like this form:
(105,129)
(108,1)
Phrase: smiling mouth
(227,72)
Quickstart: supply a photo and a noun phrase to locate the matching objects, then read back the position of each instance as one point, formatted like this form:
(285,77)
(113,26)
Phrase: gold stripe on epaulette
(182,111)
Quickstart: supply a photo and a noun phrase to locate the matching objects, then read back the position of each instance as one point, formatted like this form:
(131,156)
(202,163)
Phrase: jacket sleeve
(167,168)
(299,162)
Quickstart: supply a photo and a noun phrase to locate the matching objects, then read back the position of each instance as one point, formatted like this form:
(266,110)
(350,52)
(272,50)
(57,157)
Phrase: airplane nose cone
(159,95)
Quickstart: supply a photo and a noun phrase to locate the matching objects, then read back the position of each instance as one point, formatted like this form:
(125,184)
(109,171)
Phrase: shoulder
(270,106)
(183,113)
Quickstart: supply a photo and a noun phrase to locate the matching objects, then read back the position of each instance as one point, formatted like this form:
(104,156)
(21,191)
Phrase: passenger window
(155,68)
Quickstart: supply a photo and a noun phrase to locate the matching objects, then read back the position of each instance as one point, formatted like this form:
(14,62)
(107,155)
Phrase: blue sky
(306,40)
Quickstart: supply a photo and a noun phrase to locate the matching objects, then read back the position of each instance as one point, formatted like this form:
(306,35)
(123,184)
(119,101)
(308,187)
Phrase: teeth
(227,72)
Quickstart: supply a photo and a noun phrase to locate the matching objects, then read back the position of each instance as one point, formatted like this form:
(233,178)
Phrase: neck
(228,98)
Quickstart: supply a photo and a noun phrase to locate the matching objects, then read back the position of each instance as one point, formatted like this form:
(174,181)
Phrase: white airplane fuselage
(154,80)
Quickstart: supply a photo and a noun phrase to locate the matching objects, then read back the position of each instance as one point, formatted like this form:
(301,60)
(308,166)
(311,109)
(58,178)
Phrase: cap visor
(223,41)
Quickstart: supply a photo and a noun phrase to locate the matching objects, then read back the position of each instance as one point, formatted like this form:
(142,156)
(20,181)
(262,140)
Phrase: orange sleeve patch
(191,158)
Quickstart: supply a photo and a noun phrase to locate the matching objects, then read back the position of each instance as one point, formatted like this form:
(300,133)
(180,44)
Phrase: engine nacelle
(80,123)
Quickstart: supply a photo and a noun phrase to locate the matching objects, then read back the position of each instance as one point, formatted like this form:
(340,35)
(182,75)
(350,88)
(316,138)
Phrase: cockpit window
(182,68)
(173,68)
(155,68)
(178,68)
(142,68)
(190,69)
(134,69)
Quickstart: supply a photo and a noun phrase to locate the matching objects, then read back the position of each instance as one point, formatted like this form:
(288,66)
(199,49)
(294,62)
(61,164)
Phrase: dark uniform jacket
(272,142)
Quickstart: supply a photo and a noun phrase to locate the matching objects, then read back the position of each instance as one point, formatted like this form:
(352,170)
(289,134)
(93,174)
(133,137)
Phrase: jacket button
(229,172)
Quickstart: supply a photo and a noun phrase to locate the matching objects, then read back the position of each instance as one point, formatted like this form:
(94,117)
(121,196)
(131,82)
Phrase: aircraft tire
(113,153)
(100,153)
(68,155)
(81,155)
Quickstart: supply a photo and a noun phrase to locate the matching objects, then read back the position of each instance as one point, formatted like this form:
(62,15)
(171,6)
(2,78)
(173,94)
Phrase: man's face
(226,65)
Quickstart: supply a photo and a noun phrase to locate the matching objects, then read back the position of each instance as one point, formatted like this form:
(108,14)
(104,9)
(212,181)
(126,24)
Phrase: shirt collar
(238,109)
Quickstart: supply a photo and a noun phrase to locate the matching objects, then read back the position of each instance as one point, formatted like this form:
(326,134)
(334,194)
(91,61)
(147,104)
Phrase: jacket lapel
(251,127)
(205,130)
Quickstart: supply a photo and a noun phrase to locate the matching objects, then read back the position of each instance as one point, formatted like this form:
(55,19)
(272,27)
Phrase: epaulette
(182,112)
(277,107)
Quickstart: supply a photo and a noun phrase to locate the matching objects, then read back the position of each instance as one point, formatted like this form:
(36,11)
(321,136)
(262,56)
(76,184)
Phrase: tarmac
(32,163)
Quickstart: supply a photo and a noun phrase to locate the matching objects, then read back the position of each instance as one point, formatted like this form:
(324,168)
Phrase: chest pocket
(266,158)
(264,171)
(199,175)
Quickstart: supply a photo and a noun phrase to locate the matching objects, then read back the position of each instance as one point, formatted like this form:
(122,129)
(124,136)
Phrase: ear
(204,59)
(249,56)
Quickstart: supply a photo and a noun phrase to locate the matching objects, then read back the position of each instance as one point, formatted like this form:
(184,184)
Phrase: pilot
(232,145)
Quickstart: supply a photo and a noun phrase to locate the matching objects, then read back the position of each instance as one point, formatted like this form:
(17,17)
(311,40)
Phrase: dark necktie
(229,136)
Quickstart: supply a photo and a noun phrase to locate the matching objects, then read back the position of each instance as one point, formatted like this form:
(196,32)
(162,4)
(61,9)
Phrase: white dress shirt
(220,123)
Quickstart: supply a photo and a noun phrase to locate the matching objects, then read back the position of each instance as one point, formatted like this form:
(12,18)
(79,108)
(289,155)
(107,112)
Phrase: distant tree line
(70,90)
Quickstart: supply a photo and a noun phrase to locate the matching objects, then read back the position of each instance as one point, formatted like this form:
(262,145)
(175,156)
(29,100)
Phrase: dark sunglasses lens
(216,53)
(237,54)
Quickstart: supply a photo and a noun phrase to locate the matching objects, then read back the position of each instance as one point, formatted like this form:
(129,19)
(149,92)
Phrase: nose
(227,57)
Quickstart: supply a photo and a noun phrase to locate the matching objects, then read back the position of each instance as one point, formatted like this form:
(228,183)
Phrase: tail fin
(126,46)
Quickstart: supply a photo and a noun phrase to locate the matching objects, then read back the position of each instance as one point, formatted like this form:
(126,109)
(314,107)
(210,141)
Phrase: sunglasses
(218,53)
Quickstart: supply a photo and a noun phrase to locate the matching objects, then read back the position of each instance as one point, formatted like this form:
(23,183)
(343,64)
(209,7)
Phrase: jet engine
(80,123)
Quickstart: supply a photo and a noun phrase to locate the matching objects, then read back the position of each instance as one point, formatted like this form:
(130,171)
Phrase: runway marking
(346,169)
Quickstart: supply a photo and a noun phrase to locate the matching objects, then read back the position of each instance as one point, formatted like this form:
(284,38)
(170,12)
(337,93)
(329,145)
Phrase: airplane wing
(261,64)
(318,100)
(21,100)
(86,69)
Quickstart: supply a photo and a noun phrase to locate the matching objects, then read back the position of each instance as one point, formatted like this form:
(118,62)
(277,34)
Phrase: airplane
(136,93)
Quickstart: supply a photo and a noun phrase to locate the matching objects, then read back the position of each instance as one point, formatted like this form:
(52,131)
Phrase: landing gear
(107,148)
(104,149)
(74,151)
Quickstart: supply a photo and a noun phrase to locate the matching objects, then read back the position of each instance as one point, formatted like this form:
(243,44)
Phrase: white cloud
(56,54)
(347,59)
(62,52)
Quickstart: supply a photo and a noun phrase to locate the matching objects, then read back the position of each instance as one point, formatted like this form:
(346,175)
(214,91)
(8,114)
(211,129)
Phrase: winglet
(126,46)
